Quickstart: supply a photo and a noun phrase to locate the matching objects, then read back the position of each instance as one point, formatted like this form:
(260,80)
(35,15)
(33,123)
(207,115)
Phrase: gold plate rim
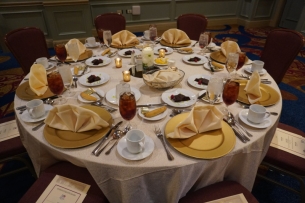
(124,46)
(50,133)
(173,45)
(87,54)
(22,93)
(242,96)
(227,145)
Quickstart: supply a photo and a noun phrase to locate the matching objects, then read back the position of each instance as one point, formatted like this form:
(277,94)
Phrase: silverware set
(159,134)
(263,80)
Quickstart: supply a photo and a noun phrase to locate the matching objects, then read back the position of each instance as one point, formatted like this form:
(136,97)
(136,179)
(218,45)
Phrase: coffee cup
(257,65)
(35,108)
(43,61)
(257,113)
(91,41)
(135,140)
(146,34)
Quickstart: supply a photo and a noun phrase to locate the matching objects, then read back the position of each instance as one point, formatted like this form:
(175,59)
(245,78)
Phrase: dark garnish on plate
(202,81)
(179,98)
(194,59)
(128,52)
(93,78)
(97,61)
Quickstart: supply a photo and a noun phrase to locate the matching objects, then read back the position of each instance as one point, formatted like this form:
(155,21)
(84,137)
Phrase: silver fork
(161,137)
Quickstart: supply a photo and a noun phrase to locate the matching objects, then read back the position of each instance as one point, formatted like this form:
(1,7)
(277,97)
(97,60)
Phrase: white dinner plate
(155,118)
(94,46)
(184,52)
(50,66)
(168,50)
(80,72)
(145,39)
(248,69)
(218,101)
(192,82)
(243,116)
(104,78)
(111,96)
(207,66)
(122,52)
(105,59)
(25,116)
(202,59)
(167,94)
(101,92)
(148,149)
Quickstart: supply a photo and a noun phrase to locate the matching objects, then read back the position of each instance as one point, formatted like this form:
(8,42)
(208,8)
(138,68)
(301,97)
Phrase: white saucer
(167,94)
(192,82)
(94,46)
(202,59)
(111,95)
(155,118)
(168,50)
(25,116)
(50,66)
(101,92)
(84,79)
(218,101)
(148,149)
(105,59)
(243,116)
(248,69)
(122,52)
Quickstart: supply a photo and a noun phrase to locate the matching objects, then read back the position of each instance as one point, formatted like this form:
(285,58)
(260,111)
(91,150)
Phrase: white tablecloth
(155,178)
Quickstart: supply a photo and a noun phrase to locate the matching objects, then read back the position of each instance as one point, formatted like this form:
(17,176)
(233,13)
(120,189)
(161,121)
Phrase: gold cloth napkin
(74,118)
(163,76)
(202,118)
(175,36)
(124,38)
(229,47)
(38,79)
(252,88)
(81,46)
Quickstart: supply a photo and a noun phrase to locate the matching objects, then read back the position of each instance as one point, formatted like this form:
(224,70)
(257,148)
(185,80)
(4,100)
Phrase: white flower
(148,56)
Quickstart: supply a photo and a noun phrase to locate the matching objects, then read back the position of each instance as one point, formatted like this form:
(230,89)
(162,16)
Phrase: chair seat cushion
(218,191)
(67,170)
(285,160)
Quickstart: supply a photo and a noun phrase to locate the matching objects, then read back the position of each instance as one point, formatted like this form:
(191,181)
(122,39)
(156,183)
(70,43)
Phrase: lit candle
(126,75)
(118,62)
(161,53)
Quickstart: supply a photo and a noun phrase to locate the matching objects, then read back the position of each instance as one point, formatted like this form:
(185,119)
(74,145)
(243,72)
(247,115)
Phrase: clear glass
(73,51)
(100,35)
(214,89)
(67,78)
(153,32)
(203,42)
(107,37)
(230,93)
(56,86)
(127,106)
(231,63)
(61,52)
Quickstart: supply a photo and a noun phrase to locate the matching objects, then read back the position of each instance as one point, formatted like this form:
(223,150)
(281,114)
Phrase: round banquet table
(155,178)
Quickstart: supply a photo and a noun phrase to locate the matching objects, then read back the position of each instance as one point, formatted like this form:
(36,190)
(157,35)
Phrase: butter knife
(97,151)
(201,96)
(85,69)
(151,105)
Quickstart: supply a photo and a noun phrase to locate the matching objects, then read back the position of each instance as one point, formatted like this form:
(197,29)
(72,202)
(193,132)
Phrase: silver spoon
(126,129)
(75,81)
(114,136)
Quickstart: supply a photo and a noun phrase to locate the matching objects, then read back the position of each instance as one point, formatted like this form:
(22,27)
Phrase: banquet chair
(281,48)
(68,170)
(217,191)
(12,150)
(192,24)
(110,21)
(27,44)
(286,163)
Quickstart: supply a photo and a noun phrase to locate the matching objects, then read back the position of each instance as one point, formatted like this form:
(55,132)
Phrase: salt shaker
(132,59)
(153,32)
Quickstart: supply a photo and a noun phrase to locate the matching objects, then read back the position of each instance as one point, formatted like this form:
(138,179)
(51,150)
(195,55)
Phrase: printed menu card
(239,198)
(8,130)
(64,190)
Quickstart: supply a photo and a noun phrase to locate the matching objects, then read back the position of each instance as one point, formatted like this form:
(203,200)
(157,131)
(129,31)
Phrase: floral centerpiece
(147,58)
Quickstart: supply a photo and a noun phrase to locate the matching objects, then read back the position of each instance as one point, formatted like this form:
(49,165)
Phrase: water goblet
(107,37)
(66,75)
(61,52)
(231,62)
(241,60)
(230,93)
(56,86)
(127,105)
(214,89)
(203,42)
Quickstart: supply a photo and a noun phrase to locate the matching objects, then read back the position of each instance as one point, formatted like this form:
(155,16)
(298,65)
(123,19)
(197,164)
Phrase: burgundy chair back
(27,44)
(110,21)
(192,24)
(281,48)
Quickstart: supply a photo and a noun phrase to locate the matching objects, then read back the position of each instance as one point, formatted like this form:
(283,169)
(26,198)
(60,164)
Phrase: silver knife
(151,105)
(97,151)
(240,137)
(85,69)
(203,95)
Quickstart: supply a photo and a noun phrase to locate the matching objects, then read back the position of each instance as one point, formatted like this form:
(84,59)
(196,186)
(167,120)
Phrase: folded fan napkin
(253,88)
(201,119)
(163,76)
(124,38)
(81,46)
(229,47)
(74,118)
(38,79)
(175,36)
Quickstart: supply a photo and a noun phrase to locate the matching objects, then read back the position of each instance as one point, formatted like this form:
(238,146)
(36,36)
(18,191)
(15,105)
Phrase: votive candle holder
(126,75)
(118,62)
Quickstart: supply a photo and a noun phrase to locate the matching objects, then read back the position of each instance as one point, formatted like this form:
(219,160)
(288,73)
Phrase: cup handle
(86,41)
(267,115)
(142,145)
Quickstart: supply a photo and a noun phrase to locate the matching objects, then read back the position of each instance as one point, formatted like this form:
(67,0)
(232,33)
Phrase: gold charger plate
(87,54)
(269,95)
(174,45)
(220,58)
(206,145)
(124,46)
(69,139)
(24,92)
